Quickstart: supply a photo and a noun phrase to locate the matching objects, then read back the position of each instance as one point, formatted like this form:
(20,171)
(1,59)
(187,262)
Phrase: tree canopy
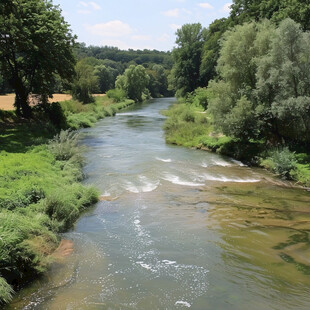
(134,82)
(36,45)
(263,89)
(187,58)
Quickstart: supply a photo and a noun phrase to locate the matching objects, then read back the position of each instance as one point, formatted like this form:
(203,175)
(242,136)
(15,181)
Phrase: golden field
(7,101)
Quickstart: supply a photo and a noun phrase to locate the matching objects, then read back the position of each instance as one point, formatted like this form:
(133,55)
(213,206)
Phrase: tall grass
(186,125)
(40,193)
(39,197)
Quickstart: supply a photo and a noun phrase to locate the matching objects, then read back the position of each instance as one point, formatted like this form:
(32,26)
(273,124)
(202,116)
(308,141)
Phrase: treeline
(251,73)
(98,69)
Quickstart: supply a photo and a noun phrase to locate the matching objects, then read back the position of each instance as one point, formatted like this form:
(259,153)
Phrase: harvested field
(7,101)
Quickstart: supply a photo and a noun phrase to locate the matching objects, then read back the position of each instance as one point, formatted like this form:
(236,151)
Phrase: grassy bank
(40,190)
(189,126)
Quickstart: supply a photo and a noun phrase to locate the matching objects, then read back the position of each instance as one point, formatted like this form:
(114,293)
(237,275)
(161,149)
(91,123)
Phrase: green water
(177,229)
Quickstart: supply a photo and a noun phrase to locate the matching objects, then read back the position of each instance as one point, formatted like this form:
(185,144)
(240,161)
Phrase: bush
(281,161)
(116,94)
(64,146)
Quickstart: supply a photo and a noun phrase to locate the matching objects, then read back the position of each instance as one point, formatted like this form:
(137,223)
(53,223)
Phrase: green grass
(185,125)
(40,196)
(80,115)
(40,190)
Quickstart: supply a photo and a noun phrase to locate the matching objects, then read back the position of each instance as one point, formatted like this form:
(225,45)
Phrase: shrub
(281,161)
(65,146)
(116,94)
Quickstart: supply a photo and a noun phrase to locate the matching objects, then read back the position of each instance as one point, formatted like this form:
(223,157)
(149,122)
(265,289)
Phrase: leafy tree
(254,10)
(85,83)
(36,44)
(284,81)
(211,49)
(106,77)
(158,82)
(187,58)
(134,82)
(233,100)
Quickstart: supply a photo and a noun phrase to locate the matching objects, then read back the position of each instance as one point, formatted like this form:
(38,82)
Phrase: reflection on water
(178,228)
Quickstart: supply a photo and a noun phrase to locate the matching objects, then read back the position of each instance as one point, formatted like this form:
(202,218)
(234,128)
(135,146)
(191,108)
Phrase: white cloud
(89,6)
(114,28)
(141,38)
(172,13)
(94,5)
(175,27)
(206,5)
(226,8)
(164,38)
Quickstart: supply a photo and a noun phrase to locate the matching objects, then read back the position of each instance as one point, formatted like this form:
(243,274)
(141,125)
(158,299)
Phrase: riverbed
(177,228)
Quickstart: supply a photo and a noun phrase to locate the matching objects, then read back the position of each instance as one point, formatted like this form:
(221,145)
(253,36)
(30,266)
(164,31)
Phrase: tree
(106,77)
(158,82)
(283,85)
(134,82)
(36,44)
(275,10)
(233,100)
(187,58)
(85,83)
(211,49)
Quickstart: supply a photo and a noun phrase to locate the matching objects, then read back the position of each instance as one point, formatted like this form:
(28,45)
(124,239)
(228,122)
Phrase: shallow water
(178,228)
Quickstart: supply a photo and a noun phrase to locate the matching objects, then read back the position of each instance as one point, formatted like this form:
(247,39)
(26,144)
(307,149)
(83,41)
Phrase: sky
(137,24)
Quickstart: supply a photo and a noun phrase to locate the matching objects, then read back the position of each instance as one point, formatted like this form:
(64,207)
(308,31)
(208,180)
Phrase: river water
(178,228)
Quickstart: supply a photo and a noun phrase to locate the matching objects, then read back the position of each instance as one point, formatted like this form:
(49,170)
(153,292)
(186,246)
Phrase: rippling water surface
(178,228)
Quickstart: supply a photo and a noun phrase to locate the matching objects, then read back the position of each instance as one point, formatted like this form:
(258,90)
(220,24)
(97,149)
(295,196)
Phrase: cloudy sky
(137,24)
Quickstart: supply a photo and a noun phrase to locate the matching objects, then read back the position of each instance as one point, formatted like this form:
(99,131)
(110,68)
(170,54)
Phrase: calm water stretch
(178,228)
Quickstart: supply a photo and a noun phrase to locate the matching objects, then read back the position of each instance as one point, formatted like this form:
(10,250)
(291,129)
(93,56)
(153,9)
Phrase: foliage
(211,49)
(186,125)
(282,161)
(85,83)
(283,81)
(245,11)
(106,77)
(36,45)
(187,59)
(133,82)
(116,57)
(116,94)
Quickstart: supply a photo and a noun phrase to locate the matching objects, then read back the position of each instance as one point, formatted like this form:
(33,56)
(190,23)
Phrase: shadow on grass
(19,138)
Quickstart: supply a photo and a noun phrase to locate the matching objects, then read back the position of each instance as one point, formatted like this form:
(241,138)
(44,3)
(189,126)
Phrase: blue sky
(137,24)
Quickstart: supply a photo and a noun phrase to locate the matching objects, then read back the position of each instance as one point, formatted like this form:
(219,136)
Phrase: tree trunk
(21,101)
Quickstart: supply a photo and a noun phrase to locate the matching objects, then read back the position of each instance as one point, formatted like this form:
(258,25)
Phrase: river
(178,228)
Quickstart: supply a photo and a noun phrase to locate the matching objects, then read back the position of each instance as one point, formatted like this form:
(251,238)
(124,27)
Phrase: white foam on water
(209,177)
(145,186)
(239,163)
(146,266)
(168,262)
(168,160)
(204,165)
(106,194)
(221,163)
(183,303)
(176,180)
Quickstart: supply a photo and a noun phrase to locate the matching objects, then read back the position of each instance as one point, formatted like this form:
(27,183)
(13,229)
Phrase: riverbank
(40,190)
(191,126)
